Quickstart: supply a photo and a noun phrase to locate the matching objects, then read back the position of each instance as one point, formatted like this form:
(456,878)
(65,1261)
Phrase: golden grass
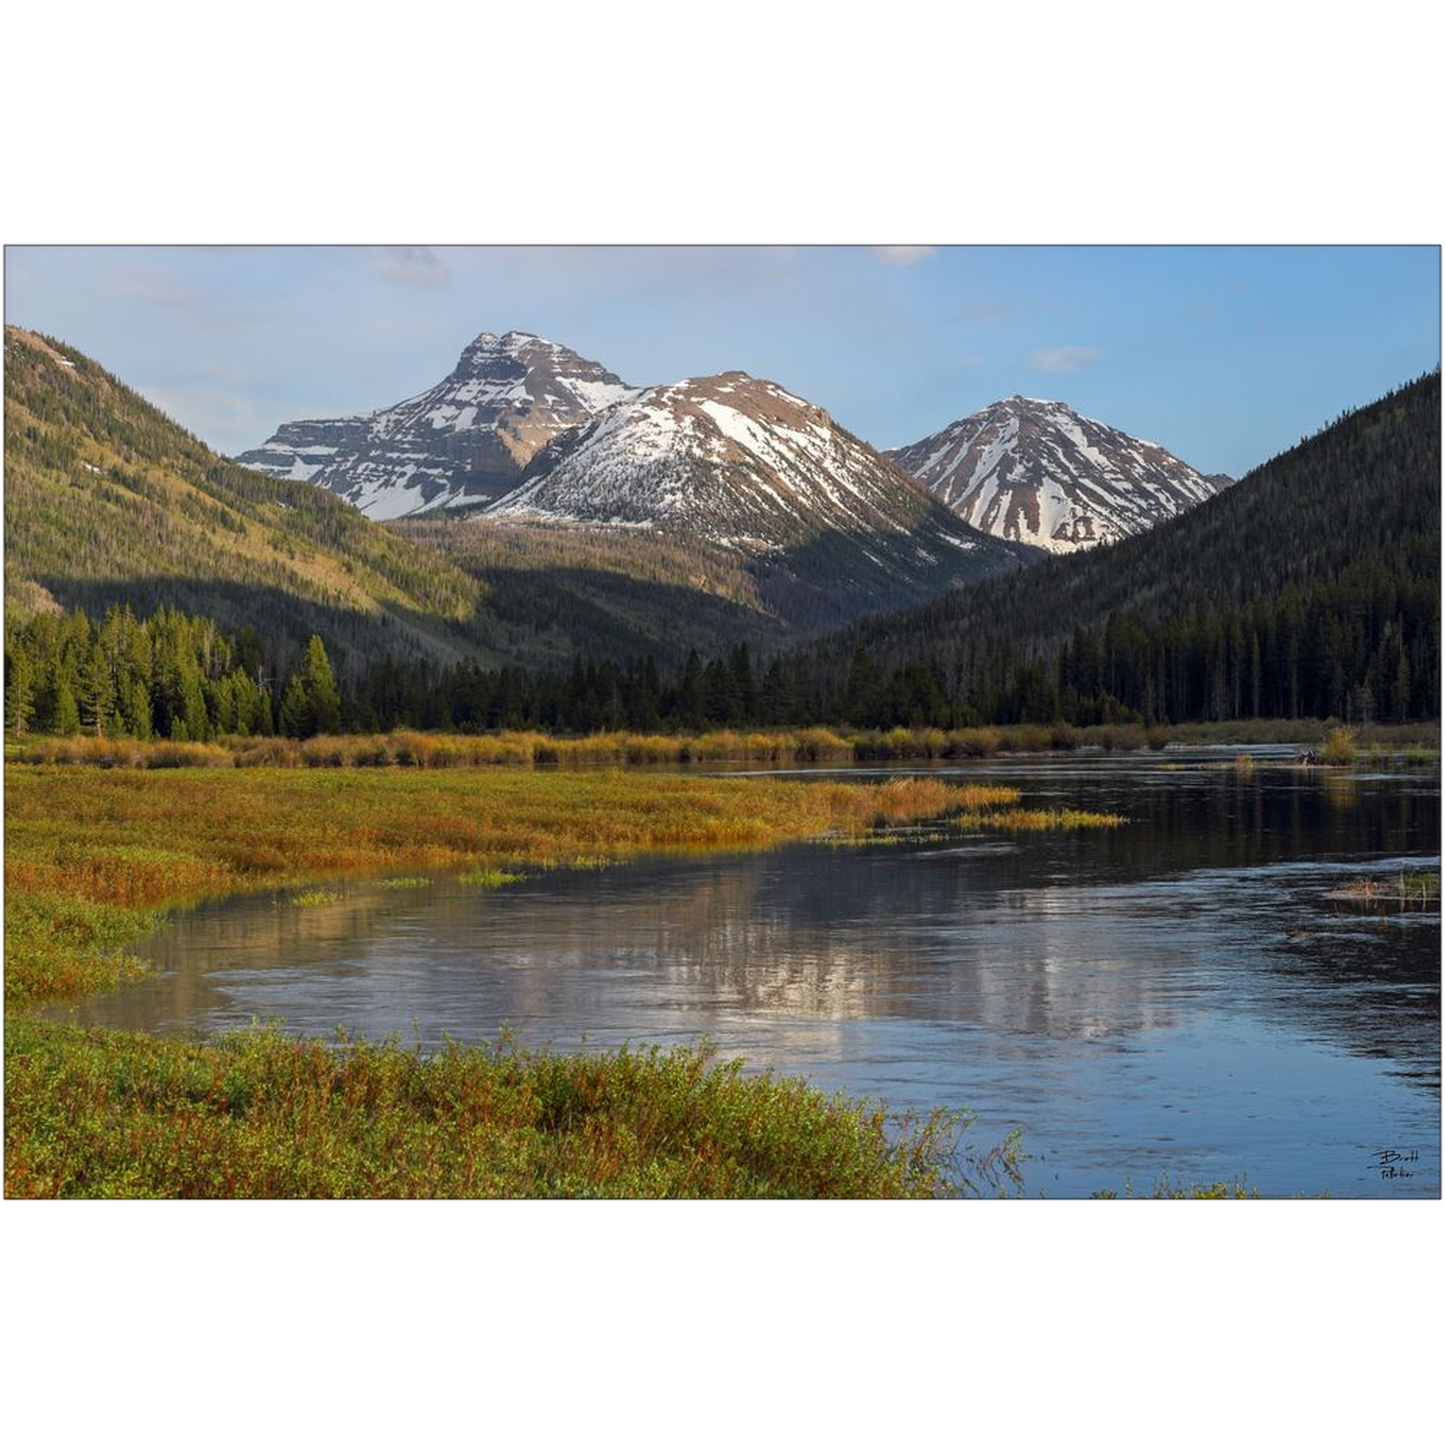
(259,1115)
(1037,820)
(409,749)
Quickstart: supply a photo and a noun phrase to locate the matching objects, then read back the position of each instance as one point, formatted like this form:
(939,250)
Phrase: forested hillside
(107,500)
(1312,588)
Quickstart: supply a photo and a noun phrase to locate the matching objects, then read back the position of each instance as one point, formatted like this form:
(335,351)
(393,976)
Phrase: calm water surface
(1177,995)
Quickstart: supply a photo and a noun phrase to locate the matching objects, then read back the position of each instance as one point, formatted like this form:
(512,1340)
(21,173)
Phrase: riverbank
(94,858)
(405,749)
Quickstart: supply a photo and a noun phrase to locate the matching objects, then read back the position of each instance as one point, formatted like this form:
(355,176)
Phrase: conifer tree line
(169,676)
(1369,653)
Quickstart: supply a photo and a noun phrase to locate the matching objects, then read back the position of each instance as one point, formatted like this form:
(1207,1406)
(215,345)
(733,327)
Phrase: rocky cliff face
(1037,472)
(463,442)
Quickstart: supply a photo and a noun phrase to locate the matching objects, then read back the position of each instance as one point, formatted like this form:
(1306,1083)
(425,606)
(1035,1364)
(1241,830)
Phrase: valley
(1009,773)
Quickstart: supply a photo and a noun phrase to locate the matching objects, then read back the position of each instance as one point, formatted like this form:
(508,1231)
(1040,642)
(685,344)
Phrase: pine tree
(322,697)
(67,715)
(691,700)
(97,682)
(138,711)
(295,720)
(19,692)
(193,707)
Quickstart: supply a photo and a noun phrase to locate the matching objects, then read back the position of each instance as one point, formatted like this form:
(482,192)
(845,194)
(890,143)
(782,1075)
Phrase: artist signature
(1396,1163)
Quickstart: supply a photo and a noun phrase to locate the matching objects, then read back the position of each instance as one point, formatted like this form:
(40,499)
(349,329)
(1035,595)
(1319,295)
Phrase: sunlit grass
(257,1114)
(1338,749)
(406,748)
(314,898)
(489,878)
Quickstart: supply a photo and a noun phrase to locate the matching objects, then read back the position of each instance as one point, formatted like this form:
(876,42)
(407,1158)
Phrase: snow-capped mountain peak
(1036,471)
(461,442)
(741,462)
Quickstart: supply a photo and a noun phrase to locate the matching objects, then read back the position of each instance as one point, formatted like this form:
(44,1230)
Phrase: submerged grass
(1037,820)
(1403,889)
(489,877)
(1166,1188)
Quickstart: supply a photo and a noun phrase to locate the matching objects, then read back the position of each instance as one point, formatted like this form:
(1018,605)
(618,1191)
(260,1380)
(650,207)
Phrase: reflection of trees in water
(1372,984)
(1223,821)
(703,934)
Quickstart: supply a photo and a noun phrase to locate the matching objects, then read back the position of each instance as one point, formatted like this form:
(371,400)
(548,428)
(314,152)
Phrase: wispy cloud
(987,311)
(1063,358)
(409,266)
(902,255)
(154,284)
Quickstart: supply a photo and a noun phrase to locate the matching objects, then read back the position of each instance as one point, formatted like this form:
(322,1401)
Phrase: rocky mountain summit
(1037,472)
(463,442)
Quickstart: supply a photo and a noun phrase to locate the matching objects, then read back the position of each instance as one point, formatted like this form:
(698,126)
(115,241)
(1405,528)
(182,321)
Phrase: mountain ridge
(461,442)
(107,499)
(1037,471)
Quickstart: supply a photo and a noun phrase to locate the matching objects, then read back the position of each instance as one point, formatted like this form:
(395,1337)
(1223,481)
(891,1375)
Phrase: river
(1176,996)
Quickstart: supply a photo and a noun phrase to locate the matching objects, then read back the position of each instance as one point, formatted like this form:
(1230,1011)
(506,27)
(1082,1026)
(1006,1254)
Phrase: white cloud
(902,255)
(1063,358)
(409,266)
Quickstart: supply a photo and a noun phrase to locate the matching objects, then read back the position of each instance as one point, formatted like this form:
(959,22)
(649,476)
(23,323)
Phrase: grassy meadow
(96,856)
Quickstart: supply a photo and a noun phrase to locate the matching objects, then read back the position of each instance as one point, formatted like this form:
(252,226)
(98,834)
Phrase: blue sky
(1226,355)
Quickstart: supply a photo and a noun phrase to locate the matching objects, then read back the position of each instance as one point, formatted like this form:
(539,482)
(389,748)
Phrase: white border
(750,122)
